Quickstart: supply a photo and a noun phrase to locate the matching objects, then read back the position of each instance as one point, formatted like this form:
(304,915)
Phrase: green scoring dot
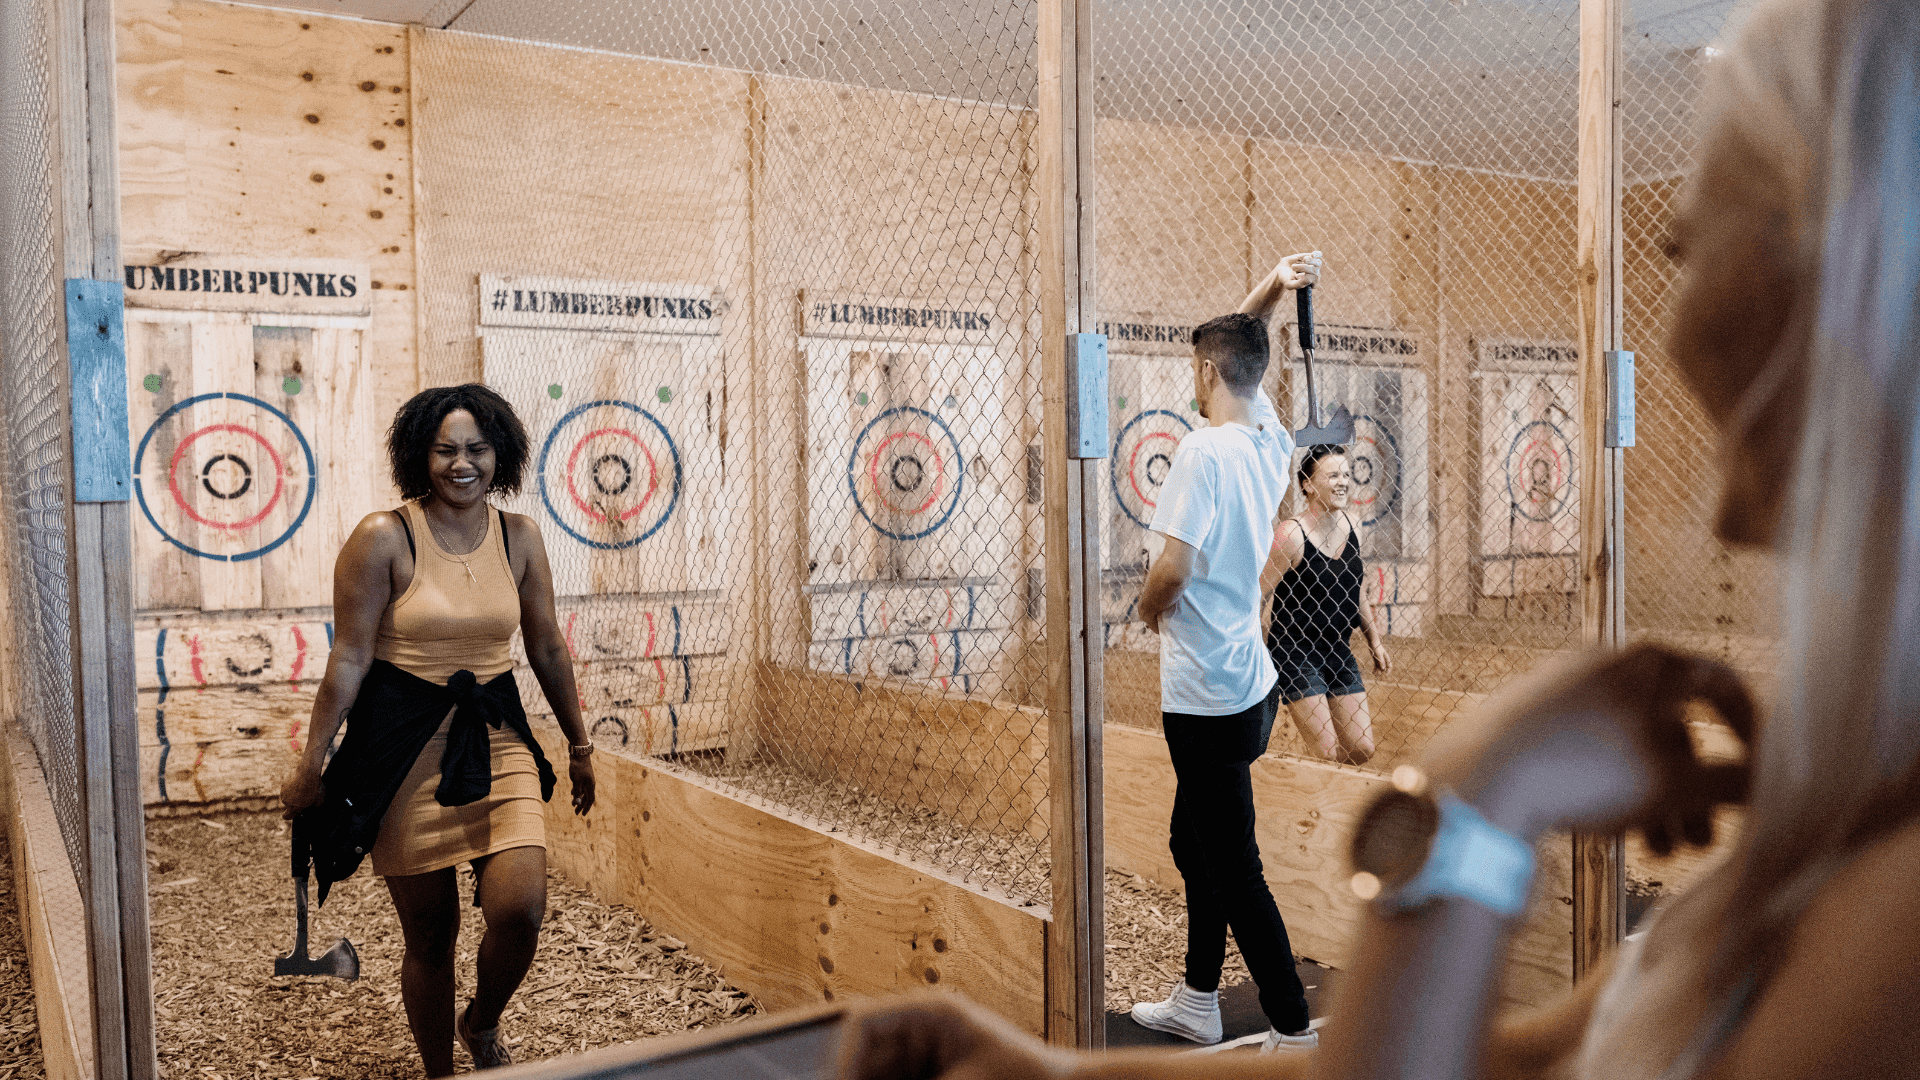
(665,394)
(1123,402)
(554,391)
(1194,404)
(290,384)
(863,395)
(152,383)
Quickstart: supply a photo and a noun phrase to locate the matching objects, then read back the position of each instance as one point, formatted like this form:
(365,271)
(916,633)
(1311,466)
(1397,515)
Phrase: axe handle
(1303,308)
(300,917)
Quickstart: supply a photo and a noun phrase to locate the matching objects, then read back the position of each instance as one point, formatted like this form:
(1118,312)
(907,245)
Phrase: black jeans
(1214,847)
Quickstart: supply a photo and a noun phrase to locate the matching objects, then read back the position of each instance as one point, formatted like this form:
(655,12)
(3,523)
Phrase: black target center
(226,476)
(906,657)
(907,473)
(1157,468)
(1363,471)
(600,465)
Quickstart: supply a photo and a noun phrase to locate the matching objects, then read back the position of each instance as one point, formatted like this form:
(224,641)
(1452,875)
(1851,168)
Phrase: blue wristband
(1470,859)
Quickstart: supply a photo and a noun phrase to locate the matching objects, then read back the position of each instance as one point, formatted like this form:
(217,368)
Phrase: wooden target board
(252,457)
(1530,481)
(1153,409)
(901,485)
(625,476)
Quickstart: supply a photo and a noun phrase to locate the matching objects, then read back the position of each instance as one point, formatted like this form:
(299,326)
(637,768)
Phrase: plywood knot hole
(376,214)
(379,144)
(826,928)
(646,815)
(307,75)
(318,178)
(832,899)
(369,86)
(933,975)
(826,964)
(939,944)
(313,118)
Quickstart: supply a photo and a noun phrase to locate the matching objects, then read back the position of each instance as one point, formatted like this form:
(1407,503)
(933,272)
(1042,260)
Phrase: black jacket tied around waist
(392,720)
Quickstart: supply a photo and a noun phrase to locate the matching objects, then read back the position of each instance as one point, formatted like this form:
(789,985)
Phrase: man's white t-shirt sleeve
(1185,510)
(1267,419)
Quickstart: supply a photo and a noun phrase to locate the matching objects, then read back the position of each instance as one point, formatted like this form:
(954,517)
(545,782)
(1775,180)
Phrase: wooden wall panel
(253,131)
(788,912)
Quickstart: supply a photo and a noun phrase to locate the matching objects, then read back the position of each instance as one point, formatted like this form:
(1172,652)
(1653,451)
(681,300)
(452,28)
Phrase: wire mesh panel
(1429,150)
(33,376)
(1683,585)
(761,282)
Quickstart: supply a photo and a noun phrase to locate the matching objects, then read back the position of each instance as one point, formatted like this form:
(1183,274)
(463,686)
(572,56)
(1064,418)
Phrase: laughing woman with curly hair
(439,766)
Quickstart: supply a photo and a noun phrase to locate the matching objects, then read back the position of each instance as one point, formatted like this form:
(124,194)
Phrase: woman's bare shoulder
(379,533)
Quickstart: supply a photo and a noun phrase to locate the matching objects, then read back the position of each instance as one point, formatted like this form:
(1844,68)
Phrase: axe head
(1337,431)
(341,962)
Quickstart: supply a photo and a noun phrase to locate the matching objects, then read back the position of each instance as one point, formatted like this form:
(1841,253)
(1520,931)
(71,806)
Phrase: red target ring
(186,507)
(1133,466)
(912,483)
(573,461)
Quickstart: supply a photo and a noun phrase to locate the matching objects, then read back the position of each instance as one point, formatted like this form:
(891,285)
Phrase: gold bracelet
(585,750)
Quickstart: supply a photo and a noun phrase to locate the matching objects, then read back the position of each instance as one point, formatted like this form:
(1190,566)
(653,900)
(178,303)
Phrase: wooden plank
(637,627)
(130,825)
(881,610)
(159,373)
(1308,812)
(785,910)
(317,378)
(659,680)
(1599,908)
(972,760)
(52,915)
(947,658)
(188,655)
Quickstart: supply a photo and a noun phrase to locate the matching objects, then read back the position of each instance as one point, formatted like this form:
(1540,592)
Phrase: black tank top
(1320,596)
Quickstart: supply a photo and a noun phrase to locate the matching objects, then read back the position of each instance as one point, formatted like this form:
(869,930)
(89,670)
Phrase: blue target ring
(1522,458)
(674,485)
(1119,464)
(1386,501)
(306,451)
(940,513)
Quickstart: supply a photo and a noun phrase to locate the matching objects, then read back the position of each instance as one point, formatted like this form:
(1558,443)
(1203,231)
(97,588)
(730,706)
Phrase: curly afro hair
(410,439)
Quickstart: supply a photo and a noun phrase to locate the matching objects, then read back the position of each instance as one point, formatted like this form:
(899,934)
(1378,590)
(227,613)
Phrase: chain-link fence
(763,287)
(35,474)
(1430,152)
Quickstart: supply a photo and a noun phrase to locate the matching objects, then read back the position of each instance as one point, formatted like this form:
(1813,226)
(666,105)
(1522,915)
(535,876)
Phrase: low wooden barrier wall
(51,916)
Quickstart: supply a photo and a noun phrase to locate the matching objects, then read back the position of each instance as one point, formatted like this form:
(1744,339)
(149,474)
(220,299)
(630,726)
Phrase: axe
(341,961)
(1338,429)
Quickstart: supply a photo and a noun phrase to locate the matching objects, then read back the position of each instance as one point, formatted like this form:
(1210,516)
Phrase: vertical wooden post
(100,567)
(1599,894)
(1076,994)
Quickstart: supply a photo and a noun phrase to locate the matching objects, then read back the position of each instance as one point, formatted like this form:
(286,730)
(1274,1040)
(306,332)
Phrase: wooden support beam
(1064,180)
(1599,882)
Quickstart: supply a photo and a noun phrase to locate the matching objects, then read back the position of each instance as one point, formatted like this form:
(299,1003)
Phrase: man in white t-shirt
(1202,595)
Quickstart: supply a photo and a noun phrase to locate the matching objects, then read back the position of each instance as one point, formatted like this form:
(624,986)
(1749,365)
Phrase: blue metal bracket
(1087,396)
(1619,430)
(97,366)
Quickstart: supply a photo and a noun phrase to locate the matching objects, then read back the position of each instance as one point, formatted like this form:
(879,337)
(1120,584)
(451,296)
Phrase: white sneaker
(1277,1043)
(1187,1013)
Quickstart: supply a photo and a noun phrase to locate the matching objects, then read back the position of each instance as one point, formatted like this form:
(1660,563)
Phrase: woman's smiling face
(460,463)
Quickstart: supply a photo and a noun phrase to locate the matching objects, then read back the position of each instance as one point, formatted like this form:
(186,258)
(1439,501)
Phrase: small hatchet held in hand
(1338,428)
(341,961)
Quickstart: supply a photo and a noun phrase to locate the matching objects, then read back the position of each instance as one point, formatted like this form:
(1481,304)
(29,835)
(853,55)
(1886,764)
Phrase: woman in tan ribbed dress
(426,601)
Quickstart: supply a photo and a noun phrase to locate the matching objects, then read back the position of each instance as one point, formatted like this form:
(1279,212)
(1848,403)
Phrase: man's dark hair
(410,439)
(1311,461)
(1236,344)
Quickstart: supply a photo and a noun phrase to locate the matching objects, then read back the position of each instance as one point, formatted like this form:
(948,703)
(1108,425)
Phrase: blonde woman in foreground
(1798,326)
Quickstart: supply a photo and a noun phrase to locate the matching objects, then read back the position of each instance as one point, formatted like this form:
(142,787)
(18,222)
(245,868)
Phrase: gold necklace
(461,559)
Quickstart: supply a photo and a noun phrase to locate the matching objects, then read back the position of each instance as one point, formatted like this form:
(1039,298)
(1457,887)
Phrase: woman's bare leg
(1354,725)
(429,908)
(1316,725)
(513,897)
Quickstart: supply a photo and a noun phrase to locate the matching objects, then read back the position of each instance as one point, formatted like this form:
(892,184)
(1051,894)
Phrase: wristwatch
(1415,845)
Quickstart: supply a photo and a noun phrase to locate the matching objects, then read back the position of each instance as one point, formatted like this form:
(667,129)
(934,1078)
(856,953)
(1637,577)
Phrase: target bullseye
(906,473)
(1374,459)
(1143,456)
(619,470)
(1539,474)
(228,476)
